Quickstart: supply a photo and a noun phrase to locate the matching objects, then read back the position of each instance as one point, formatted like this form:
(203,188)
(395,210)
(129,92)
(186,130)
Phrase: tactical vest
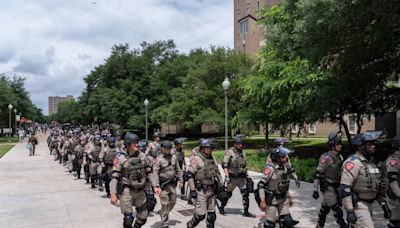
(368,182)
(109,156)
(333,170)
(134,171)
(155,149)
(207,173)
(80,151)
(180,155)
(96,153)
(237,164)
(279,182)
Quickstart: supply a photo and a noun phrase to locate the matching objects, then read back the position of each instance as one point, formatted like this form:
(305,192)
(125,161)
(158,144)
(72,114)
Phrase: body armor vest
(155,149)
(180,155)
(279,182)
(333,170)
(109,156)
(237,165)
(207,173)
(80,151)
(367,181)
(134,171)
(96,153)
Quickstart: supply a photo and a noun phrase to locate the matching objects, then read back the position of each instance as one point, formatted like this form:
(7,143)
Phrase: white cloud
(55,43)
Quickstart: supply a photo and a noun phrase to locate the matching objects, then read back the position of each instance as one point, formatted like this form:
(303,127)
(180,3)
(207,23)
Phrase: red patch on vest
(267,171)
(116,161)
(393,162)
(323,160)
(349,166)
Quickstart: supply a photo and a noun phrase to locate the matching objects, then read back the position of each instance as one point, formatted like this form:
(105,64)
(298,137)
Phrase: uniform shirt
(195,165)
(272,171)
(120,163)
(326,160)
(230,155)
(180,155)
(393,166)
(166,167)
(154,146)
(353,169)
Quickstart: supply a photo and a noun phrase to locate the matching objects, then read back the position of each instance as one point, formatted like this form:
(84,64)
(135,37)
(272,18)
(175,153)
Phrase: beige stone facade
(54,100)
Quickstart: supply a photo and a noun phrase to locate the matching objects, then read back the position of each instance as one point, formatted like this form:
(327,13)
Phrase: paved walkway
(38,192)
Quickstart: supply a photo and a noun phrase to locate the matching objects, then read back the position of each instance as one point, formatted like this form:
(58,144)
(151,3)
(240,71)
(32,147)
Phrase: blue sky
(55,43)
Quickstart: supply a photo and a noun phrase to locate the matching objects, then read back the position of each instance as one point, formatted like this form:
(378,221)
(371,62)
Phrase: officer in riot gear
(180,155)
(203,179)
(131,173)
(235,169)
(327,178)
(361,181)
(392,168)
(274,190)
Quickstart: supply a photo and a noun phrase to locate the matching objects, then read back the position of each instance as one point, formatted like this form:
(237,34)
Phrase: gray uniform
(166,172)
(327,181)
(132,173)
(205,171)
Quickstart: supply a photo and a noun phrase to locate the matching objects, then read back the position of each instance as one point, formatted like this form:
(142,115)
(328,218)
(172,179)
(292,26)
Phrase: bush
(305,168)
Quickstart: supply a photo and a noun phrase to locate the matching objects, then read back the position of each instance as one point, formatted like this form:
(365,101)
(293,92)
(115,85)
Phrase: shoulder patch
(116,162)
(193,161)
(349,166)
(393,162)
(324,159)
(267,171)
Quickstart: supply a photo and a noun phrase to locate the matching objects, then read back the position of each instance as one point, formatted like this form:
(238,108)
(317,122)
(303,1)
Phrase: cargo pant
(394,206)
(277,208)
(134,198)
(363,212)
(168,200)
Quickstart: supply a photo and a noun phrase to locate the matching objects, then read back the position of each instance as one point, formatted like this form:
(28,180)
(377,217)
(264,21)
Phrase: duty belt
(131,187)
(367,200)
(237,175)
(204,187)
(280,195)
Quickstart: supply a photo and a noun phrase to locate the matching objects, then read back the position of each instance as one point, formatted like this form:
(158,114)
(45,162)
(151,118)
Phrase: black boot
(246,205)
(221,210)
(323,212)
(338,214)
(92,181)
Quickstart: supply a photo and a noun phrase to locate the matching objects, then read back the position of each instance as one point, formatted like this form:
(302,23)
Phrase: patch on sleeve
(267,171)
(349,166)
(193,161)
(393,162)
(323,160)
(116,162)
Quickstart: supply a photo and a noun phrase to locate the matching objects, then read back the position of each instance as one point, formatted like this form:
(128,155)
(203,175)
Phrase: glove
(297,183)
(263,205)
(351,217)
(193,194)
(315,195)
(386,210)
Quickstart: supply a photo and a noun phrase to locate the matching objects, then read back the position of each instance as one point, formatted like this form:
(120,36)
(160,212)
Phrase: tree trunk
(346,130)
(359,123)
(266,134)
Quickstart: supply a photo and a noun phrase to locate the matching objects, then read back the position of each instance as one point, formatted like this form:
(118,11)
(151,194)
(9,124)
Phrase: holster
(269,196)
(120,188)
(323,185)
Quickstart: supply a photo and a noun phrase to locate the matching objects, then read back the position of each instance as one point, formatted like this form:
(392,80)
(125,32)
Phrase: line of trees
(322,60)
(12,91)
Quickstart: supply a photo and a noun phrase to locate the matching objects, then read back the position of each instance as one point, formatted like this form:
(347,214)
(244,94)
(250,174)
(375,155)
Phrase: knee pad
(245,193)
(139,223)
(394,223)
(128,220)
(211,217)
(142,208)
(151,202)
(325,210)
(287,221)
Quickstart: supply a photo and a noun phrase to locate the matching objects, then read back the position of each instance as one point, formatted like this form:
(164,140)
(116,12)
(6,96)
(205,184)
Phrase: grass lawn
(4,149)
(5,139)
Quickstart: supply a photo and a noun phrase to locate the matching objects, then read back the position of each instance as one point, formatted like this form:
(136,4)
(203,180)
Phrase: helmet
(396,142)
(280,152)
(280,141)
(130,138)
(157,134)
(179,140)
(238,139)
(201,140)
(334,139)
(142,145)
(111,140)
(368,136)
(96,138)
(82,138)
(206,143)
(166,144)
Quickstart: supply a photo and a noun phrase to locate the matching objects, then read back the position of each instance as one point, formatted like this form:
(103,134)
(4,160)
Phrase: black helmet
(206,143)
(281,141)
(280,152)
(368,136)
(142,145)
(179,140)
(130,138)
(166,144)
(201,140)
(334,139)
(111,141)
(396,142)
(157,134)
(238,139)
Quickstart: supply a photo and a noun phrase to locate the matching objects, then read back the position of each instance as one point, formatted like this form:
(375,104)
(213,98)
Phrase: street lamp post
(225,85)
(146,103)
(15,115)
(9,122)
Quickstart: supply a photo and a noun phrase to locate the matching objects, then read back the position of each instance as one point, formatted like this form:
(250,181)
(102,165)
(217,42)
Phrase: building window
(244,27)
(352,124)
(311,128)
(238,4)
(248,7)
(295,129)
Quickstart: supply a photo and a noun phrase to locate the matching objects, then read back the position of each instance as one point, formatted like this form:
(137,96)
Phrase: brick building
(54,100)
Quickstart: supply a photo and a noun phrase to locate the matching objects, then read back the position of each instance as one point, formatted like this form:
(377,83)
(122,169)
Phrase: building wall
(53,103)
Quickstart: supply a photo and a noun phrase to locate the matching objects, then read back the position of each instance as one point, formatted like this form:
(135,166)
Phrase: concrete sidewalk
(38,192)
